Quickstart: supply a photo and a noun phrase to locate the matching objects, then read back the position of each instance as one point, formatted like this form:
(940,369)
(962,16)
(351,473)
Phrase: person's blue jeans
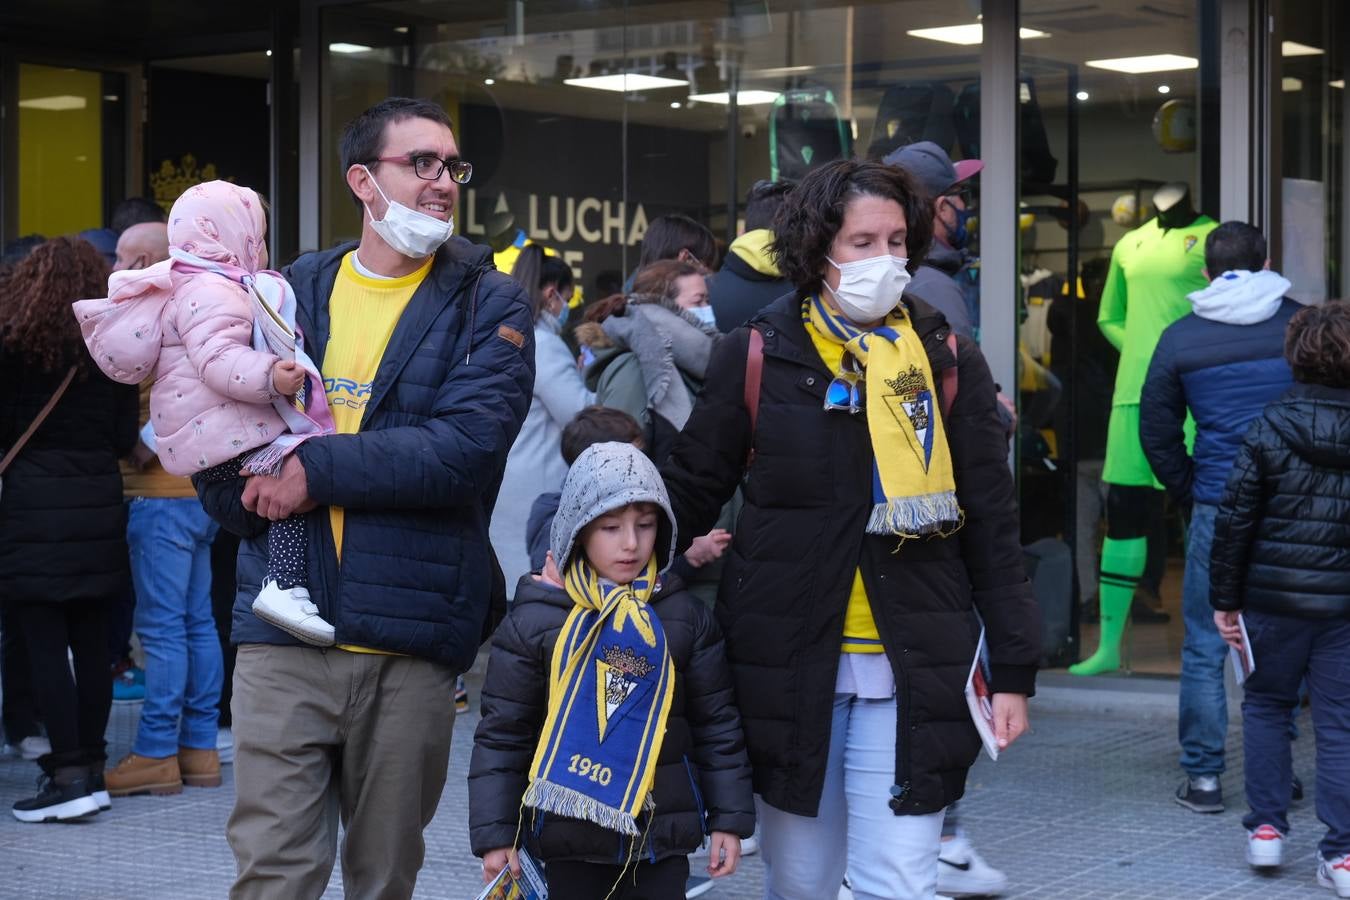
(1203,721)
(1286,651)
(170,541)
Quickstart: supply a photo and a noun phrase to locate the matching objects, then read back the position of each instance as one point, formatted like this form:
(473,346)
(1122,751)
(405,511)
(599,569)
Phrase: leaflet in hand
(980,699)
(528,886)
(1244,663)
(280,339)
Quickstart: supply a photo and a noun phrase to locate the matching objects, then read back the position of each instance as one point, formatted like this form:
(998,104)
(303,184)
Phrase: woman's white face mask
(869,288)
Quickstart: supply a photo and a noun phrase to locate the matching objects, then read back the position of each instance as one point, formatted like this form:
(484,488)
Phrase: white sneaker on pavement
(225,746)
(35,746)
(962,873)
(1335,874)
(1265,847)
(292,612)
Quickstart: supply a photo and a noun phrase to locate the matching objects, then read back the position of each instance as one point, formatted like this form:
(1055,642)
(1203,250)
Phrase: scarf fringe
(912,517)
(266,460)
(564,801)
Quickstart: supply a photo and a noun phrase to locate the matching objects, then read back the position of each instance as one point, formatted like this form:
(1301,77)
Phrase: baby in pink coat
(218,332)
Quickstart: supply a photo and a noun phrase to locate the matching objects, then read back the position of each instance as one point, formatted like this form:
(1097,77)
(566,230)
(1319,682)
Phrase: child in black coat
(1281,559)
(610,742)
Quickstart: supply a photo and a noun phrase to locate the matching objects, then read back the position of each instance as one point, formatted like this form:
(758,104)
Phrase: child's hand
(724,854)
(496,860)
(708,548)
(287,377)
(1227,623)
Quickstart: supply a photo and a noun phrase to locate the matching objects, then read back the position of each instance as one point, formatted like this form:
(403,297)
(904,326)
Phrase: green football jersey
(1152,271)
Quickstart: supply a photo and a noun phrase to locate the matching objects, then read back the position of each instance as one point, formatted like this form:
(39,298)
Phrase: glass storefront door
(1309,208)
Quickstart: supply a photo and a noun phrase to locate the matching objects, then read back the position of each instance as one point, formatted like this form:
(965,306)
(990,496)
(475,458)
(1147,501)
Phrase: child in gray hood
(650,758)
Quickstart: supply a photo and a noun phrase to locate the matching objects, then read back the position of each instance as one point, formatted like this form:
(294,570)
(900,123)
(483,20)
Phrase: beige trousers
(323,735)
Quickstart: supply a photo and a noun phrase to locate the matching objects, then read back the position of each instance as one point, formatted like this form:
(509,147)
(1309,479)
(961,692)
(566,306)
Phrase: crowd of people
(732,535)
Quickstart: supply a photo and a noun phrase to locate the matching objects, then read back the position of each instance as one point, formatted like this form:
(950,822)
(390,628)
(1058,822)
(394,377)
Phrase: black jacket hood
(1315,422)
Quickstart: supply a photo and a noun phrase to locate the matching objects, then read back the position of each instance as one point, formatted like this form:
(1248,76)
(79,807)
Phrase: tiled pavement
(1079,809)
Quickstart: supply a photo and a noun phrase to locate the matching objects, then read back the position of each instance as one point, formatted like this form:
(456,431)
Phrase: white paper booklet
(980,699)
(1244,663)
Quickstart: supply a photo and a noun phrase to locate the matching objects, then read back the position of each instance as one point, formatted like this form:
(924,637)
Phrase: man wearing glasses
(946,280)
(428,365)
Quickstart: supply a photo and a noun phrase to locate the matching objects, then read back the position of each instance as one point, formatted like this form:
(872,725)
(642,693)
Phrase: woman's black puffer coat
(702,777)
(62,520)
(802,536)
(1282,535)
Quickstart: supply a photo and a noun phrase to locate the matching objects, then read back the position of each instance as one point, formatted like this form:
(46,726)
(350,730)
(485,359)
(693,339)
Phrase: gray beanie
(606,477)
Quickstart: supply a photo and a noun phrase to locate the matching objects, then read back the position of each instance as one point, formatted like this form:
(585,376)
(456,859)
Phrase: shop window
(1116,99)
(569,154)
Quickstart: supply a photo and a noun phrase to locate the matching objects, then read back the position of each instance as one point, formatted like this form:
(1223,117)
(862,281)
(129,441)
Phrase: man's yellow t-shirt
(363,312)
(860,628)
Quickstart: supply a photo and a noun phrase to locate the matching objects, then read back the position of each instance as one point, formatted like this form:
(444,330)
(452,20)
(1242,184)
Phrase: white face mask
(869,288)
(414,234)
(704,314)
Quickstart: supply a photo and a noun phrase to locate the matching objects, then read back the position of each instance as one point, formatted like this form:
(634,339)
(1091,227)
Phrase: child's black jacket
(702,776)
(1282,535)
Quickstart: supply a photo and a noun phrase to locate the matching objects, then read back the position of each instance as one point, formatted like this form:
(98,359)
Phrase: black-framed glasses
(429,166)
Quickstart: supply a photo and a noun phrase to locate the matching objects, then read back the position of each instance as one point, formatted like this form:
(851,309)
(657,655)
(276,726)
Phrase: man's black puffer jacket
(1282,536)
(702,777)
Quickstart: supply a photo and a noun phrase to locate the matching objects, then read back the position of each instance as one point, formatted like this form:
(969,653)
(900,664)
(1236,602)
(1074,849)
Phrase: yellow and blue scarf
(913,485)
(610,689)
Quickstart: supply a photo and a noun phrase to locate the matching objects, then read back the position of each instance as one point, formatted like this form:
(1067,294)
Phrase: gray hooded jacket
(604,478)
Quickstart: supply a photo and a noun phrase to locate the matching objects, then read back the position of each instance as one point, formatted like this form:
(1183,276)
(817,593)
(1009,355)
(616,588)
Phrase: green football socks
(1122,564)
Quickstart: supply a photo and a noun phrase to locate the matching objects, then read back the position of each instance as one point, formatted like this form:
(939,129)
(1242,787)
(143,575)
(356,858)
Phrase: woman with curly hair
(879,519)
(63,552)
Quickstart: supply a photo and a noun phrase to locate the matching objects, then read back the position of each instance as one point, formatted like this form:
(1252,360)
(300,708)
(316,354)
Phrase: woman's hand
(496,860)
(549,574)
(1010,718)
(1229,629)
(708,548)
(724,854)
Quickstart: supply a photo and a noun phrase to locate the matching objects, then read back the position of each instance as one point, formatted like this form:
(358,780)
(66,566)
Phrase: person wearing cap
(948,280)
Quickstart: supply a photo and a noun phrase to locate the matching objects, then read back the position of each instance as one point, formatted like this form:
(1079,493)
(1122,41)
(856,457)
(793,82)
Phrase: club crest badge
(619,676)
(1191,241)
(912,404)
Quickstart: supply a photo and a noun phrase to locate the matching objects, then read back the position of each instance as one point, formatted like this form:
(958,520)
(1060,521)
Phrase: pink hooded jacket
(212,399)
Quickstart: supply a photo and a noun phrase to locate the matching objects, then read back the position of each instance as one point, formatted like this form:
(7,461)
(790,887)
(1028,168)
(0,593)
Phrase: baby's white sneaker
(292,612)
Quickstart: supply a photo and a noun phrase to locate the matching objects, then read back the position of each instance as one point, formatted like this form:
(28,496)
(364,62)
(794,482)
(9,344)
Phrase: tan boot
(200,768)
(144,774)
